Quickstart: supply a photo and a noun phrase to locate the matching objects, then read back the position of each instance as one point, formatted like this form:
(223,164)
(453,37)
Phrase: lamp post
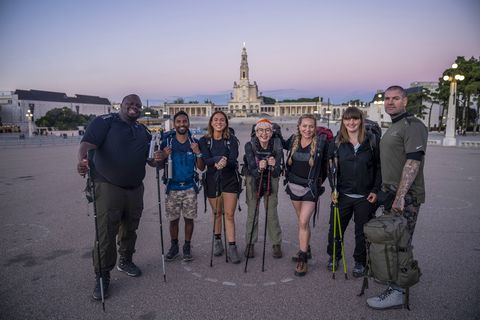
(450,139)
(328,112)
(29,116)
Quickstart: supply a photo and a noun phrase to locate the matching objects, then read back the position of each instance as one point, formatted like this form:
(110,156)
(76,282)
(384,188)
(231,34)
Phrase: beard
(181,130)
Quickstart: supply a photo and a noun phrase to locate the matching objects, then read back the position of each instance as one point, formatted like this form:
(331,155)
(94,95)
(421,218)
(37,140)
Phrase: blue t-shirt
(122,150)
(183,163)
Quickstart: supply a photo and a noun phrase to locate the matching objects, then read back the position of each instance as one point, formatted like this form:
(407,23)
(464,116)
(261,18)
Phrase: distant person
(182,188)
(263,154)
(220,152)
(355,152)
(402,154)
(306,170)
(121,148)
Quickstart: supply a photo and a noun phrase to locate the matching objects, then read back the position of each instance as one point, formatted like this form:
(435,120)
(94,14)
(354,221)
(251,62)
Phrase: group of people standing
(121,151)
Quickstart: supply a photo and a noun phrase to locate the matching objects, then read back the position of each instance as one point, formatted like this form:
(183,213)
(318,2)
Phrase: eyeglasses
(264,131)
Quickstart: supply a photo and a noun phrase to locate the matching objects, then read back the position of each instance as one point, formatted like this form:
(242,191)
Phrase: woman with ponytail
(306,171)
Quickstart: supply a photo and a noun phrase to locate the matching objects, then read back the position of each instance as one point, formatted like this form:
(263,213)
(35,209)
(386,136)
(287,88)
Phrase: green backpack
(390,253)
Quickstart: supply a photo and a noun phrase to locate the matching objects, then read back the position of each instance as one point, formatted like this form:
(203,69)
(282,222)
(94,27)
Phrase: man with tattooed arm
(402,155)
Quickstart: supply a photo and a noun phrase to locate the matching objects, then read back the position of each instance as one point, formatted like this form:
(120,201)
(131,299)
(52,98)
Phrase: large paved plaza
(46,235)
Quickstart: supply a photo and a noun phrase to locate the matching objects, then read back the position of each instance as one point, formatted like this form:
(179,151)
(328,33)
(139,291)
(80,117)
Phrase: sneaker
(249,251)
(172,253)
(330,264)
(301,268)
(217,247)
(277,251)
(187,252)
(97,294)
(309,255)
(126,265)
(359,270)
(233,254)
(389,299)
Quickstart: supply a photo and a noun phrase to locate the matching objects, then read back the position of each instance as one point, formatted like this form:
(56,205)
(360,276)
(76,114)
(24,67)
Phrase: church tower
(244,65)
(244,100)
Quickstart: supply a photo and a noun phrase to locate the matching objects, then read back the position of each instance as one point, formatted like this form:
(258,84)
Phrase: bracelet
(198,155)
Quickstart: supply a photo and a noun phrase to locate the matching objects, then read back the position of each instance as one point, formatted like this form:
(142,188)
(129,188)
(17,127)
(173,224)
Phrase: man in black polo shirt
(121,148)
(402,155)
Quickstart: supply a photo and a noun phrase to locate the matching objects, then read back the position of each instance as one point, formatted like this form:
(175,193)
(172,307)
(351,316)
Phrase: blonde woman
(219,149)
(306,170)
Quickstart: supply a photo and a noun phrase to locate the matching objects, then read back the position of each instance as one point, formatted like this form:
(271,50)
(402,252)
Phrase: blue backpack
(180,172)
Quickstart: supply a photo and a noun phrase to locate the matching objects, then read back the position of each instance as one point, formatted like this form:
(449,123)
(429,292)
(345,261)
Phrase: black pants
(362,211)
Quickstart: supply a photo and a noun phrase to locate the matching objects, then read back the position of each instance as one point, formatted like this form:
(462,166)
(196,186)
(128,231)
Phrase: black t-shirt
(300,166)
(213,150)
(122,150)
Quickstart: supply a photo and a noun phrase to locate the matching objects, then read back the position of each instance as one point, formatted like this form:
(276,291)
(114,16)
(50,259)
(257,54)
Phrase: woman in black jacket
(219,149)
(356,155)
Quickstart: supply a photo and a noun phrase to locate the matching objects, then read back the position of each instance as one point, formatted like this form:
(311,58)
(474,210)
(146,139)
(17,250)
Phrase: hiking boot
(187,252)
(233,254)
(251,253)
(309,255)
(301,268)
(217,247)
(97,295)
(358,270)
(277,251)
(330,264)
(126,265)
(389,299)
(172,253)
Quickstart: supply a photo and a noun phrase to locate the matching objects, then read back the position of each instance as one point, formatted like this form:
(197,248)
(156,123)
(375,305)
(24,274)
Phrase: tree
(268,100)
(63,119)
(314,99)
(468,90)
(415,103)
(149,112)
(179,101)
(432,97)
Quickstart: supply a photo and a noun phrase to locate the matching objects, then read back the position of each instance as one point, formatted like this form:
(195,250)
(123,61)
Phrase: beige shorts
(181,202)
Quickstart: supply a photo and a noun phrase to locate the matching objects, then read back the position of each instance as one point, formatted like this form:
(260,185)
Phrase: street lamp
(29,116)
(328,112)
(450,139)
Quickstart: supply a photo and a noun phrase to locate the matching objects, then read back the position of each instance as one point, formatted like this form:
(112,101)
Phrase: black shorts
(309,196)
(229,184)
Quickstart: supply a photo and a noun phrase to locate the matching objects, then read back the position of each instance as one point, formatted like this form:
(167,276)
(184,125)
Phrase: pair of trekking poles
(91,186)
(337,227)
(256,213)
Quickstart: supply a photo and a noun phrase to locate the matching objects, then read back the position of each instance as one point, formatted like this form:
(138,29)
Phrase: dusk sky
(162,49)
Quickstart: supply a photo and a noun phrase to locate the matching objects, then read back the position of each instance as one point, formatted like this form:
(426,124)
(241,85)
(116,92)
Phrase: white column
(450,139)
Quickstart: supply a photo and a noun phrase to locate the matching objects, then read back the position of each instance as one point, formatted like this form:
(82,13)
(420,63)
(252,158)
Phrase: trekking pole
(342,243)
(265,199)
(97,244)
(153,145)
(260,185)
(333,172)
(161,224)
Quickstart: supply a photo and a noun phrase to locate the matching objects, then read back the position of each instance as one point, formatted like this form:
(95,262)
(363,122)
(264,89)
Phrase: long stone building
(15,105)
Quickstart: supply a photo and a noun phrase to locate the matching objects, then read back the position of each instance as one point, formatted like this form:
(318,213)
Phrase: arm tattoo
(409,173)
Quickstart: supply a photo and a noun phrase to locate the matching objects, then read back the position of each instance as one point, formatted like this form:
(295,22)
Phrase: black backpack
(278,143)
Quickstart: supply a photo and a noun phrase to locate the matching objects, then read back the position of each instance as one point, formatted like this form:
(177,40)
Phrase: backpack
(373,127)
(278,143)
(237,173)
(390,253)
(324,136)
(178,168)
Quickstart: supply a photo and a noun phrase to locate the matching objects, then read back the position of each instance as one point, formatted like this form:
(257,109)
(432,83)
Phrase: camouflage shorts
(181,202)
